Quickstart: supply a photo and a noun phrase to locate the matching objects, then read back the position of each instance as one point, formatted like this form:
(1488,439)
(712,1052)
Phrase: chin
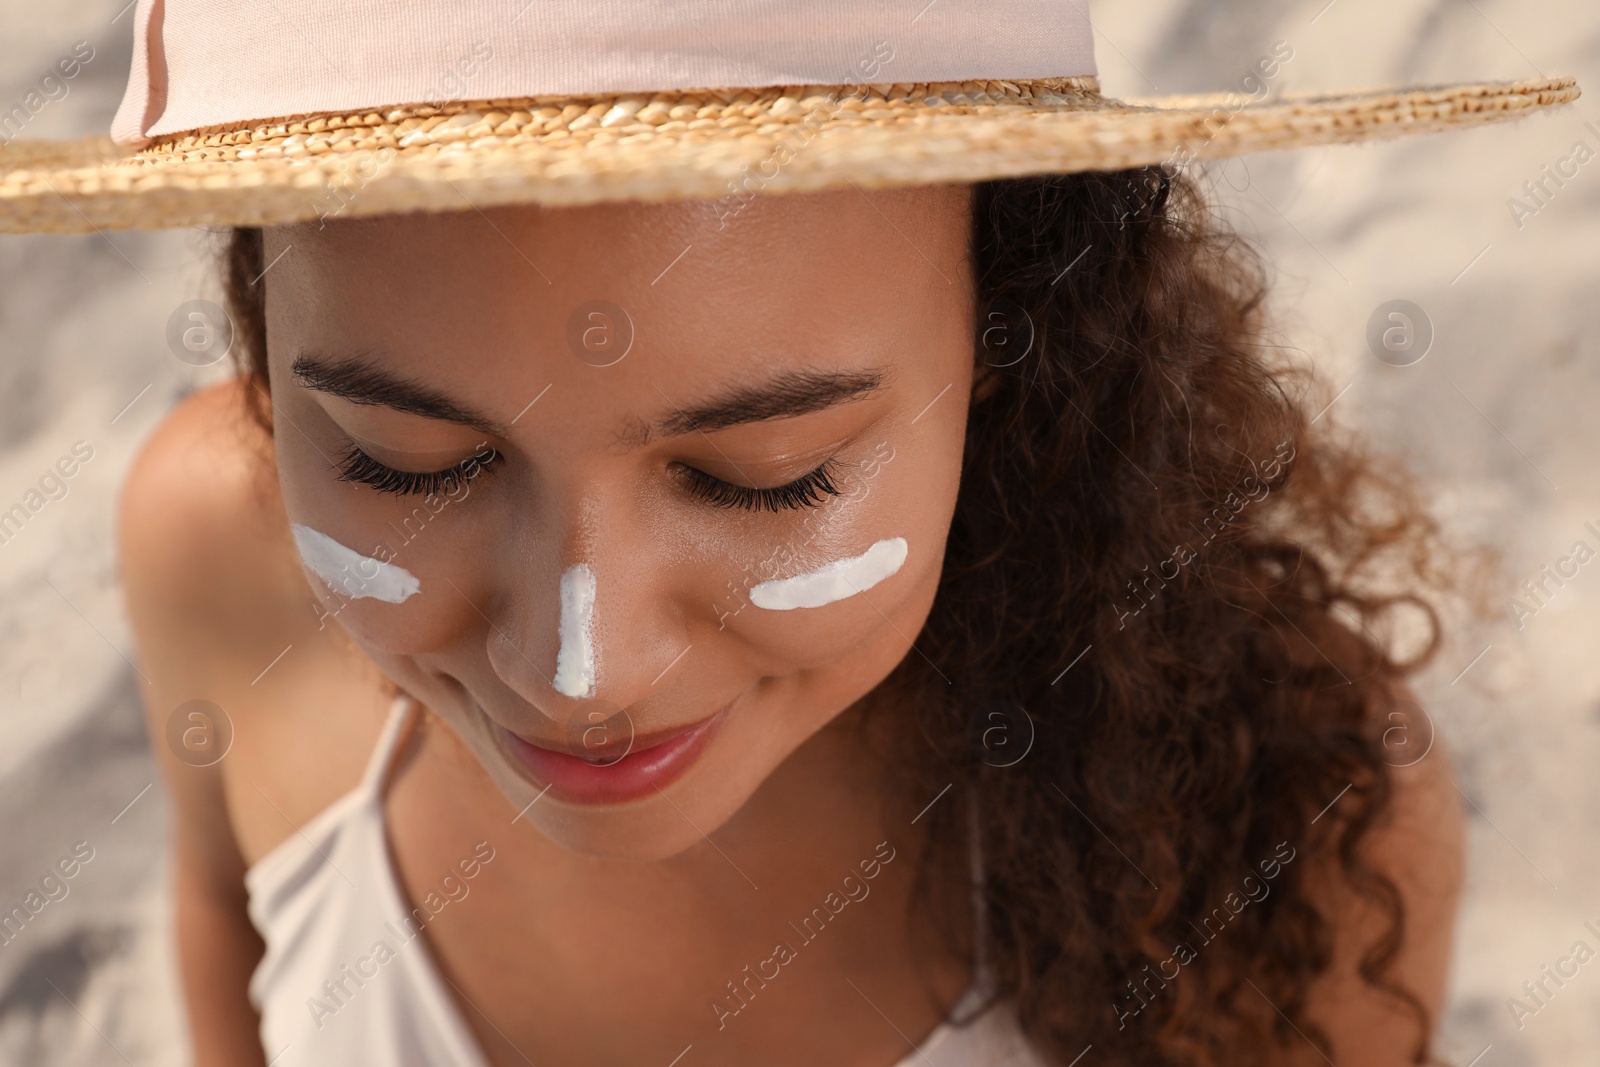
(650,832)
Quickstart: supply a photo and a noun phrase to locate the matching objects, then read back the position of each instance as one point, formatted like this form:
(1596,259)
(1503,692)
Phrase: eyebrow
(363,380)
(783,396)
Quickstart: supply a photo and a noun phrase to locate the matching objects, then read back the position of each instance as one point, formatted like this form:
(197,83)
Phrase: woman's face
(698,478)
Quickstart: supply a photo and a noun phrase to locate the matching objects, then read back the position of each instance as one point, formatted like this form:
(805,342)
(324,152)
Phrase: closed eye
(357,466)
(807,491)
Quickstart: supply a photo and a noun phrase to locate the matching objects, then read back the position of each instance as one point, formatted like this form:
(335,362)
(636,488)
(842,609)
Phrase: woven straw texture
(705,144)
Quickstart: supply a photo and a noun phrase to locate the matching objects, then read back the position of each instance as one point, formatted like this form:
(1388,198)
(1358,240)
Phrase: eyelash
(356,466)
(806,491)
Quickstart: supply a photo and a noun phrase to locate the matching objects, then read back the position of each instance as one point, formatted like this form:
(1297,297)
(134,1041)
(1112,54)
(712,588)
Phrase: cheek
(413,605)
(861,624)
(853,584)
(834,581)
(348,574)
(388,573)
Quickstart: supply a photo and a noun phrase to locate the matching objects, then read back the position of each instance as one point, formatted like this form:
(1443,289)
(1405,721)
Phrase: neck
(808,884)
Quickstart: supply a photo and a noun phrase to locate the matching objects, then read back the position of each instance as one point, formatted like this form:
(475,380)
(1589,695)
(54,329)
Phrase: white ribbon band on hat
(209,62)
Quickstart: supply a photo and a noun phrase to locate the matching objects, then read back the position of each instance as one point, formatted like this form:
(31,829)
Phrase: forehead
(709,289)
(716,255)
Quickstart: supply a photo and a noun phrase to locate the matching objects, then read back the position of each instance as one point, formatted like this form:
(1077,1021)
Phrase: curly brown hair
(1161,579)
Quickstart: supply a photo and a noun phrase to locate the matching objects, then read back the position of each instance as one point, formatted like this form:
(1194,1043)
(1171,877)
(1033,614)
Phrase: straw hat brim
(715,145)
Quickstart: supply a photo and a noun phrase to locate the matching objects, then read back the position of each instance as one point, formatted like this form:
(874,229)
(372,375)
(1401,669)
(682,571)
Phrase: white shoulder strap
(401,712)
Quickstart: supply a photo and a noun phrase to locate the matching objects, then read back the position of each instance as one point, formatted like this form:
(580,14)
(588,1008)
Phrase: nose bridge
(597,627)
(575,653)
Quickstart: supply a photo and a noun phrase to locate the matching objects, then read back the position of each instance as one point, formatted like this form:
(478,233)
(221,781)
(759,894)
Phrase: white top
(347,980)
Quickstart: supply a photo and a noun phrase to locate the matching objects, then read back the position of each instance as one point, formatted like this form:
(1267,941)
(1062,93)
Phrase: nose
(575,659)
(590,624)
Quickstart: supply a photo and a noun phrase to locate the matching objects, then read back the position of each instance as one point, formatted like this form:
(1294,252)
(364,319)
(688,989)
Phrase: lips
(652,762)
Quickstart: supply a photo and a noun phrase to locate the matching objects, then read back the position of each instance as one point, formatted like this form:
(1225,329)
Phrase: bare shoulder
(201,527)
(1419,846)
(221,613)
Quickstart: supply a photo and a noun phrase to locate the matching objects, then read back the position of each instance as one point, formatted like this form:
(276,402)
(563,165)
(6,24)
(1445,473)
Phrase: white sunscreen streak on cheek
(349,573)
(575,660)
(835,581)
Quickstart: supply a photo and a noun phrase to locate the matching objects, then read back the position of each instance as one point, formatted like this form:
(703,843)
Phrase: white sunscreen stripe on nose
(835,581)
(351,574)
(575,660)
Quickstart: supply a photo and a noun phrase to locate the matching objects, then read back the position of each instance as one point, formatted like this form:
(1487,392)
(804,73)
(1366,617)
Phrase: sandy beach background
(1499,416)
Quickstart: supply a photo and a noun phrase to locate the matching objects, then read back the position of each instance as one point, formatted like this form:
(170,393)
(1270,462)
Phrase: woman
(862,626)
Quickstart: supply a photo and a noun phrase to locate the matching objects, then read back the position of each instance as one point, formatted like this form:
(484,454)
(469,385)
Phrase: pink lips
(642,771)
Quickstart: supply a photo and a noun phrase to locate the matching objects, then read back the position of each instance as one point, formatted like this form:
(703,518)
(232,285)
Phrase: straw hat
(240,113)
